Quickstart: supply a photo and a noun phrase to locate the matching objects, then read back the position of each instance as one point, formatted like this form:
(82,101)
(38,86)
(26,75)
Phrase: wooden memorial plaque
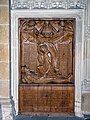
(46,66)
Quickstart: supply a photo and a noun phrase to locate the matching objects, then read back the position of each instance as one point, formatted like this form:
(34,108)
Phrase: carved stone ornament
(48,4)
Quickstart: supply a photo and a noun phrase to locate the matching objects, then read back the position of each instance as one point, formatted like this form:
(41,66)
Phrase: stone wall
(4,48)
(5,106)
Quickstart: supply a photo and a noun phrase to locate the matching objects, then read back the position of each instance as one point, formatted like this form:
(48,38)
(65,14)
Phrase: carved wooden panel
(46,50)
(46,74)
(46,99)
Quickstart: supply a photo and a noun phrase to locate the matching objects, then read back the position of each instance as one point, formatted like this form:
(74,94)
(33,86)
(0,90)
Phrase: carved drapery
(46,50)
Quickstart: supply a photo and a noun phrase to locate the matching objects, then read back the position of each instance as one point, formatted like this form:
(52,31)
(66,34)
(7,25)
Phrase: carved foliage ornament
(48,4)
(46,50)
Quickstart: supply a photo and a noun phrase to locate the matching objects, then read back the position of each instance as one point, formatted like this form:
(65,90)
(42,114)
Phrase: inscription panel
(46,98)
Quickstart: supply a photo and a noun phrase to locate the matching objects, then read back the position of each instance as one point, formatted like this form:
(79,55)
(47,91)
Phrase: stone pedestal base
(6,109)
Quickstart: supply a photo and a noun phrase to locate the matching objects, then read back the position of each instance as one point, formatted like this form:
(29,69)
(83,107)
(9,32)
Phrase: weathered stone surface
(4,33)
(86,102)
(4,52)
(4,86)
(4,71)
(6,109)
(5,105)
(4,2)
(4,15)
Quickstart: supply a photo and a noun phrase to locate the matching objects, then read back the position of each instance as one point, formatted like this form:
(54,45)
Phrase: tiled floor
(23,117)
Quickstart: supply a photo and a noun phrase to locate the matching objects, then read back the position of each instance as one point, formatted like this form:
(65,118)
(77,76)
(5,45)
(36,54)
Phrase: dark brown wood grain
(46,99)
(46,66)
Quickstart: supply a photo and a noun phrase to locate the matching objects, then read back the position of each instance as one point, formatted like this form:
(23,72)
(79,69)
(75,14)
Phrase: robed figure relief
(46,66)
(46,48)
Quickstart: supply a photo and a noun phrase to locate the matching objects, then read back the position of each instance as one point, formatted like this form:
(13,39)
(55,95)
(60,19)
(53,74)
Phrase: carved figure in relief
(47,58)
(46,34)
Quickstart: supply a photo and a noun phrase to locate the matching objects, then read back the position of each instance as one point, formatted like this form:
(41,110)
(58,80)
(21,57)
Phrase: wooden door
(46,66)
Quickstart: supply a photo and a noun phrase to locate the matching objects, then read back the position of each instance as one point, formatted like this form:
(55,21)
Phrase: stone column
(5,105)
(86,82)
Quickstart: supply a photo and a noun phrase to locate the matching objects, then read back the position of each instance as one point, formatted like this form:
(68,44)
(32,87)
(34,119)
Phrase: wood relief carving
(46,66)
(46,48)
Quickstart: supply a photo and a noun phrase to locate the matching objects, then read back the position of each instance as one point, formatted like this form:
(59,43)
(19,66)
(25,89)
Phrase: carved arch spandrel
(46,50)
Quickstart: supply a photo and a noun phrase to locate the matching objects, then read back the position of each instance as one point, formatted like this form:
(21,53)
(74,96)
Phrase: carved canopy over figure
(53,59)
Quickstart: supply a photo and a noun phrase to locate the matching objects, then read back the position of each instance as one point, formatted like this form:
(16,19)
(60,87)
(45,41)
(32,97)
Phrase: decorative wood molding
(48,4)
